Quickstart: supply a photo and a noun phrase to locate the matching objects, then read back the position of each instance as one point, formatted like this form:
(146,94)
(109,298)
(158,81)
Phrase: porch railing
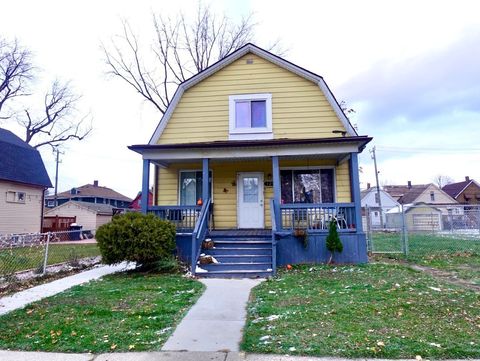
(199,233)
(317,217)
(184,217)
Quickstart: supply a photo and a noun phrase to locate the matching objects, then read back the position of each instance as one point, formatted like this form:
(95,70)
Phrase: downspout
(42,208)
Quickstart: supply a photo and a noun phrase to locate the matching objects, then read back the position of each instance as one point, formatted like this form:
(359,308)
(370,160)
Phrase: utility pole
(56,173)
(374,157)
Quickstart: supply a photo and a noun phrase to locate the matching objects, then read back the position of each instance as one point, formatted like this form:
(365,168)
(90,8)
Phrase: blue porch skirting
(290,250)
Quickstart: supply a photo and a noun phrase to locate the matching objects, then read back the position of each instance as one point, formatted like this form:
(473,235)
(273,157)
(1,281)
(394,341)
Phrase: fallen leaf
(113,347)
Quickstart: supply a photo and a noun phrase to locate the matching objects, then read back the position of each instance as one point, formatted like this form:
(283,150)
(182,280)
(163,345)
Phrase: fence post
(45,258)
(404,234)
(368,229)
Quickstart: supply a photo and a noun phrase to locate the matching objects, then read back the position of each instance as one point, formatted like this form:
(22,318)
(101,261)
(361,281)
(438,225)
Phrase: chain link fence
(423,230)
(25,256)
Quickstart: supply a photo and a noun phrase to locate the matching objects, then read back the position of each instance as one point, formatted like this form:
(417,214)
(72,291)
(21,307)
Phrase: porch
(286,186)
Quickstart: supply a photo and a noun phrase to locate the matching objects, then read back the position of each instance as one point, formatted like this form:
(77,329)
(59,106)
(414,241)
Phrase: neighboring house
(371,202)
(466,192)
(420,217)
(255,147)
(88,215)
(90,193)
(23,181)
(137,201)
(423,193)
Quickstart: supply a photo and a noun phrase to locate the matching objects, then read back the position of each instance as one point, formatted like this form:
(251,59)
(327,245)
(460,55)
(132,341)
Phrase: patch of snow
(200,270)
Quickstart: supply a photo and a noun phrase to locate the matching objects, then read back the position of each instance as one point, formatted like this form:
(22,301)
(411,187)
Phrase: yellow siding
(225,190)
(299,108)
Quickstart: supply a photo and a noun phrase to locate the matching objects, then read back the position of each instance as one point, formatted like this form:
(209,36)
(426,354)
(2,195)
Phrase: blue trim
(145,185)
(277,195)
(355,186)
(205,179)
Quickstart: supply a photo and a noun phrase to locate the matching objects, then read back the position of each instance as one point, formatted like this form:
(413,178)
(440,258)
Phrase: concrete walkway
(216,321)
(23,298)
(165,356)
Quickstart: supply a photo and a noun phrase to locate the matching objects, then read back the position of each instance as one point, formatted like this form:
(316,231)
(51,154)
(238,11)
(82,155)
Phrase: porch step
(236,274)
(243,258)
(239,256)
(242,244)
(232,251)
(243,266)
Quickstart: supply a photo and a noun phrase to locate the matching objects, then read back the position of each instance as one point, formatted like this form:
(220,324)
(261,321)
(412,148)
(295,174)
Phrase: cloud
(420,88)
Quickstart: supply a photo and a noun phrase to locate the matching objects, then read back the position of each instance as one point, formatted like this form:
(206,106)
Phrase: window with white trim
(191,187)
(250,116)
(16,197)
(307,185)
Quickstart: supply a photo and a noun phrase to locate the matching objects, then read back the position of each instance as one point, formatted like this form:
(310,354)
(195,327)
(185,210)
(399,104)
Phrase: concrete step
(259,266)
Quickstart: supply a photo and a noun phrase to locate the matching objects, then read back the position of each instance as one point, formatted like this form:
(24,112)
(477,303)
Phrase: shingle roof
(20,162)
(404,194)
(98,208)
(90,190)
(454,189)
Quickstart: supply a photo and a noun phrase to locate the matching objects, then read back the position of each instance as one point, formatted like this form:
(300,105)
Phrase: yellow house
(256,149)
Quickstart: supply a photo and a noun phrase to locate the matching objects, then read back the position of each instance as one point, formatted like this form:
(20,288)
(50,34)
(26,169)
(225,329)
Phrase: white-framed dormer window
(250,116)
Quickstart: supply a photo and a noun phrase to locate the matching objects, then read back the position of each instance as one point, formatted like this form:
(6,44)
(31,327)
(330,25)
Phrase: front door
(250,200)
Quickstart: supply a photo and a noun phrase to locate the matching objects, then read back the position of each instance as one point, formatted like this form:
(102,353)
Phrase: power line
(425,149)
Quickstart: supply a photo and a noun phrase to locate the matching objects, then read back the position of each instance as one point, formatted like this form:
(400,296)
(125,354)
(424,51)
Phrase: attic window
(74,191)
(250,116)
(432,196)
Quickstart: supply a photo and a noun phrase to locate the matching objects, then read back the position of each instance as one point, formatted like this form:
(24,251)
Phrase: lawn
(458,255)
(375,310)
(24,258)
(121,312)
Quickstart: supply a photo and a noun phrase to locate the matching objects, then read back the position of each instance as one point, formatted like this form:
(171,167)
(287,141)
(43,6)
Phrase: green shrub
(334,244)
(136,237)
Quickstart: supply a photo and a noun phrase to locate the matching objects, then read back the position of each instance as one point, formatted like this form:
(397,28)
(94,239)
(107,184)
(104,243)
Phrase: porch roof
(253,148)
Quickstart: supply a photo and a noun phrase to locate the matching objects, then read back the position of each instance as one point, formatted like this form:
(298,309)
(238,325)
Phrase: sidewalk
(165,356)
(216,320)
(23,298)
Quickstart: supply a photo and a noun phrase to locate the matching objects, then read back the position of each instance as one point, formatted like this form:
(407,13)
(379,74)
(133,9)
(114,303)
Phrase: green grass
(19,259)
(461,256)
(387,311)
(121,312)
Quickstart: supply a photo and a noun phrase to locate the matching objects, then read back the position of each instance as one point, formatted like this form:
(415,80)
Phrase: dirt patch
(445,276)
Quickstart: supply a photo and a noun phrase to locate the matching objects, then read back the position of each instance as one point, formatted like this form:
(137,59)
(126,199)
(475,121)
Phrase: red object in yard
(289,267)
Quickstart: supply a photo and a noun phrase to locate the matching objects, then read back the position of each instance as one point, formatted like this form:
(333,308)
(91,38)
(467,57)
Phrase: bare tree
(16,71)
(442,180)
(180,50)
(59,122)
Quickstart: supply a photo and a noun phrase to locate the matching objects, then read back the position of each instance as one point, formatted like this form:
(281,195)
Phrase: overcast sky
(410,69)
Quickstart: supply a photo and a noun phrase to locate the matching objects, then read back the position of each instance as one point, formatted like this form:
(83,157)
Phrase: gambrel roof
(251,48)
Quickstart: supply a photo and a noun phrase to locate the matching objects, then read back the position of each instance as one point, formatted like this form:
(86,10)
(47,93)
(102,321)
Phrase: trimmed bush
(334,244)
(136,237)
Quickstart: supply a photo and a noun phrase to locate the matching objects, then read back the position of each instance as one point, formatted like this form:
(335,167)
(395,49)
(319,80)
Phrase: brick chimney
(95,183)
(409,184)
(368,185)
(467,178)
